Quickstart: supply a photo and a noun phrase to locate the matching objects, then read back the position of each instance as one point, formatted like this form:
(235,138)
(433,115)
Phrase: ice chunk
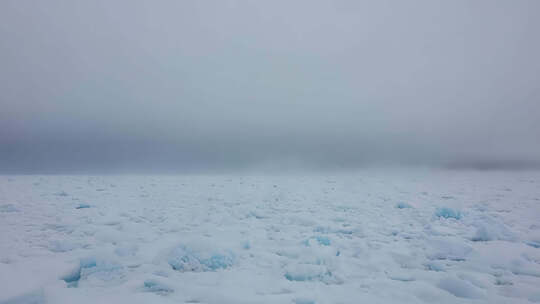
(90,268)
(535,297)
(533,240)
(75,275)
(183,258)
(82,206)
(257,215)
(534,244)
(402,278)
(447,213)
(434,266)
(345,231)
(8,208)
(320,240)
(483,235)
(403,205)
(302,276)
(503,281)
(311,272)
(157,287)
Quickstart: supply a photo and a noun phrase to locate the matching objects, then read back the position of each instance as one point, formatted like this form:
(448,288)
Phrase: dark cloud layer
(201,85)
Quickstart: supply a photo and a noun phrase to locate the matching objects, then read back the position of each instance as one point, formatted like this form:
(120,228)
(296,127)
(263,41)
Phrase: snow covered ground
(368,237)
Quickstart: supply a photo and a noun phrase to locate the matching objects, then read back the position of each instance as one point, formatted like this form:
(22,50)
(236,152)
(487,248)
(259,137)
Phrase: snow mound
(183,258)
(62,246)
(492,232)
(448,250)
(124,251)
(36,297)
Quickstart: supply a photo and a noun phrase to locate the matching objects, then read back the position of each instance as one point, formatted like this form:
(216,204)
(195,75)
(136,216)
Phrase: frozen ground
(368,237)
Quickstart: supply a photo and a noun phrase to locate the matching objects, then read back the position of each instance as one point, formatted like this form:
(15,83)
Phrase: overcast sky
(187,85)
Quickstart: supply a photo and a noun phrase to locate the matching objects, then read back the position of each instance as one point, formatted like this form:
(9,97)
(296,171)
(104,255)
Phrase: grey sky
(177,85)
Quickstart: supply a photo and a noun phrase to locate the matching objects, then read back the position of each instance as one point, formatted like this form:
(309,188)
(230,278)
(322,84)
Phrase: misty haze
(269,151)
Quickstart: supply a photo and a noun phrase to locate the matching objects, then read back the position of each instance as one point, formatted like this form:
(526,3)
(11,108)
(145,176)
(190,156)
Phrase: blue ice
(102,270)
(446,213)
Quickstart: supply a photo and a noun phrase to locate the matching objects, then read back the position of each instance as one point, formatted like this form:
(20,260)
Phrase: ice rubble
(184,258)
(215,239)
